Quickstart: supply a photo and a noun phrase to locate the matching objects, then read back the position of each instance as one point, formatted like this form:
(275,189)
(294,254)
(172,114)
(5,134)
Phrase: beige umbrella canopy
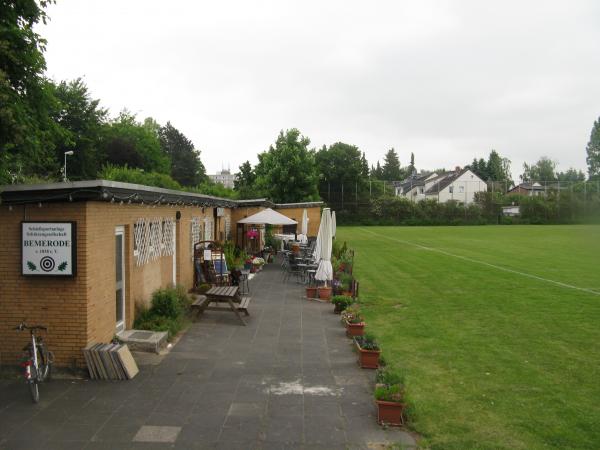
(325,270)
(268,216)
(303,236)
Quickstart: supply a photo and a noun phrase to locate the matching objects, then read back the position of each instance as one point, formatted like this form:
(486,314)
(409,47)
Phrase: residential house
(528,189)
(459,185)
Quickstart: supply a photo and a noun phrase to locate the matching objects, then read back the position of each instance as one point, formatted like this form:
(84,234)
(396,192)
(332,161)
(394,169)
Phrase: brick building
(125,241)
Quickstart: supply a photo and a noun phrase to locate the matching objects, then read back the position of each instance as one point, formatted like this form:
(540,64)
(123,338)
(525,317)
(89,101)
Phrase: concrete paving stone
(324,429)
(20,444)
(166,419)
(270,445)
(72,431)
(122,433)
(285,429)
(242,428)
(154,433)
(207,419)
(247,409)
(192,433)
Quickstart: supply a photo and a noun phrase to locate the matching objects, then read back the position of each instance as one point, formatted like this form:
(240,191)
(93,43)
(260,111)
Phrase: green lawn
(492,358)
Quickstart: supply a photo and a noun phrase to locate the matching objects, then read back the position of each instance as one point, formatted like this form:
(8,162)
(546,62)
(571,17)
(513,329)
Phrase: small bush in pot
(368,351)
(355,324)
(341,302)
(389,397)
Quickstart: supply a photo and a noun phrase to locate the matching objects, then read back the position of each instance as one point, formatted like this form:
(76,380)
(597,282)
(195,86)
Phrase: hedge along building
(78,257)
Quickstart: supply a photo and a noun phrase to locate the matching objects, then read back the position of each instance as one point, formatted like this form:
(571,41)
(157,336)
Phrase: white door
(120,278)
(174,254)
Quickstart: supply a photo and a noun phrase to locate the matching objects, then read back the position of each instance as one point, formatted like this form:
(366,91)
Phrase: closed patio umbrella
(325,271)
(333,224)
(303,237)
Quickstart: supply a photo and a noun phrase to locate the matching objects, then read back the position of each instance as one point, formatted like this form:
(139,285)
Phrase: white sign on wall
(48,248)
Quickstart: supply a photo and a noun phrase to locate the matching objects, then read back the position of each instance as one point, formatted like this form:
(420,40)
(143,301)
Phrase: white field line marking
(483,263)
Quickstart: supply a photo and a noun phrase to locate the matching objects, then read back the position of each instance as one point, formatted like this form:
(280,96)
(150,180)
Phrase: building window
(461,189)
(451,189)
(420,190)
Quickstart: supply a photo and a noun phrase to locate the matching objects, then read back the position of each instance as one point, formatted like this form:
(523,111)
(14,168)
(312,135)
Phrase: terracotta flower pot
(355,329)
(390,413)
(311,292)
(325,293)
(368,359)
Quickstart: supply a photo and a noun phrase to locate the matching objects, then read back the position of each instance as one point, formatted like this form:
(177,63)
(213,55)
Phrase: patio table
(229,295)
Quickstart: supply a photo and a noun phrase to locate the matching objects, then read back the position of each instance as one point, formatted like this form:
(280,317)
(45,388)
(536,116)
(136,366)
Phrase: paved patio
(287,380)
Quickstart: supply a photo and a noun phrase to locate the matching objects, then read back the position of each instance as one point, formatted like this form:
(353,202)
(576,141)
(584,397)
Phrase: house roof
(408,183)
(446,179)
(528,187)
(105,190)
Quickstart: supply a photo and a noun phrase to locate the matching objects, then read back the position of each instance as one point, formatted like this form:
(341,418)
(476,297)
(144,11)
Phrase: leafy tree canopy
(287,172)
(593,151)
(130,143)
(340,163)
(571,175)
(496,168)
(186,166)
(244,182)
(543,170)
(82,122)
(26,131)
(391,170)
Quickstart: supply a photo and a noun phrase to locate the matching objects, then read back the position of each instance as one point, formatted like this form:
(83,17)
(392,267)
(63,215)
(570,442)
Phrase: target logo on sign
(47,264)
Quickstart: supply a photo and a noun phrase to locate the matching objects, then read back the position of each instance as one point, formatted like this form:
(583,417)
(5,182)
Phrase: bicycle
(37,362)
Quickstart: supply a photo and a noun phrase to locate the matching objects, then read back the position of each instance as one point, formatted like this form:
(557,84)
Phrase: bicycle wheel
(45,359)
(34,391)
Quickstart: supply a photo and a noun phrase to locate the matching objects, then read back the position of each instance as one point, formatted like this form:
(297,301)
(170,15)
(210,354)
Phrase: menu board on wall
(49,248)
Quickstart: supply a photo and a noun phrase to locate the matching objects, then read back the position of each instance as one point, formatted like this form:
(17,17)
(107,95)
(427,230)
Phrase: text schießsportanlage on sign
(48,248)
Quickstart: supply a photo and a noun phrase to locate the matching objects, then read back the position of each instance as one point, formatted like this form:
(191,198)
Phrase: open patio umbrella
(325,271)
(333,224)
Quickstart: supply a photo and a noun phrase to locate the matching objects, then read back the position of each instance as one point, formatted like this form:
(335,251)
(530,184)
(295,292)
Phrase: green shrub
(389,393)
(367,342)
(341,300)
(388,376)
(166,303)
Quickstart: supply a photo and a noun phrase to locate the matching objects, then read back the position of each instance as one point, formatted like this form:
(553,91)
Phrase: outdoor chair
(291,269)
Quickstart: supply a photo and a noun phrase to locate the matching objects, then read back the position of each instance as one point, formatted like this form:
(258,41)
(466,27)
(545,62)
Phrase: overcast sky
(445,80)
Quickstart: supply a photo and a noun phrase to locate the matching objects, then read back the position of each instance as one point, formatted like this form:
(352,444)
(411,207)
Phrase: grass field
(497,330)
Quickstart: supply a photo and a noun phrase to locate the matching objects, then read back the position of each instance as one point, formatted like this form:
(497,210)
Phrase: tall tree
(391,170)
(186,167)
(571,175)
(497,167)
(411,170)
(543,170)
(593,151)
(287,172)
(364,166)
(82,121)
(26,131)
(128,142)
(245,181)
(340,163)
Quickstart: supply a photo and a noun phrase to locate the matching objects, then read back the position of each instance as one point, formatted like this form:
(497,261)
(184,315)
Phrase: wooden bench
(243,306)
(200,304)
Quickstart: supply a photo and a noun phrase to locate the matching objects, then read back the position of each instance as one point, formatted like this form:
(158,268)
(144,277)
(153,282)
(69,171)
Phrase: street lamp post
(69,153)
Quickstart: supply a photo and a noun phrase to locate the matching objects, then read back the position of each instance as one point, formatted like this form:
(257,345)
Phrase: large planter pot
(311,292)
(355,329)
(339,307)
(325,293)
(367,359)
(390,413)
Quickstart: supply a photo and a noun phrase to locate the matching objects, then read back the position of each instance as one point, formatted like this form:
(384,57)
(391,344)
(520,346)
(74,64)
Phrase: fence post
(356,193)
(369,188)
(342,195)
(329,192)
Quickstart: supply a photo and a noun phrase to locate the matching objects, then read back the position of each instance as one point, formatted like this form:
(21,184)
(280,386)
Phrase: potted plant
(341,302)
(311,292)
(355,325)
(368,351)
(346,283)
(389,397)
(325,292)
